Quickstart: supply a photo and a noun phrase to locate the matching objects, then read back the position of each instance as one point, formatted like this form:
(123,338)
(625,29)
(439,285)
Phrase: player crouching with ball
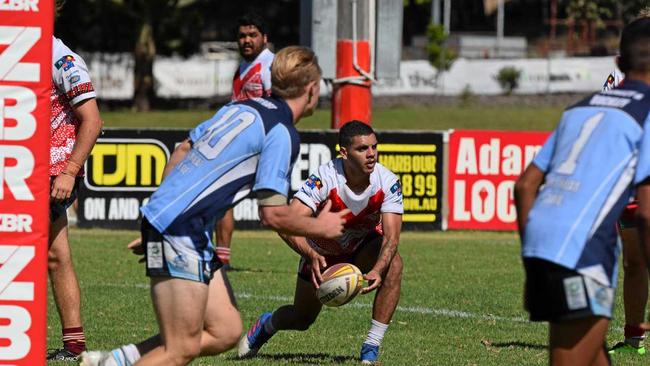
(373,194)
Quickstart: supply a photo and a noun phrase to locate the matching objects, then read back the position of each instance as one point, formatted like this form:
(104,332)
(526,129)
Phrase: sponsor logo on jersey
(66,62)
(396,188)
(610,82)
(80,89)
(314,182)
(74,79)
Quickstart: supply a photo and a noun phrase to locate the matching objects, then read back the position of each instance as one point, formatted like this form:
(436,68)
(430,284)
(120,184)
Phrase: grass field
(460,304)
(420,118)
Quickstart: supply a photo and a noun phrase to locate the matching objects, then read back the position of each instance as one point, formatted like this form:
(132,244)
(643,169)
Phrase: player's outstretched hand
(317,264)
(331,223)
(136,247)
(374,281)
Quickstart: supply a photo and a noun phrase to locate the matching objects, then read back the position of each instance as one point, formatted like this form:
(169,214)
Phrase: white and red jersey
(613,80)
(383,195)
(70,85)
(253,79)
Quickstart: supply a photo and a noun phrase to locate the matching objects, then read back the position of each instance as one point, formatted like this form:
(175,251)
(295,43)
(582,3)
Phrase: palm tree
(157,23)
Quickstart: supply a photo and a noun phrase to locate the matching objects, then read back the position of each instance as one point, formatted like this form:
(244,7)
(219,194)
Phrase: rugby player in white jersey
(355,181)
(74,126)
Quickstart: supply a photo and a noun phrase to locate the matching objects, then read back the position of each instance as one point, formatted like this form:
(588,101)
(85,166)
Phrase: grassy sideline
(460,304)
(418,118)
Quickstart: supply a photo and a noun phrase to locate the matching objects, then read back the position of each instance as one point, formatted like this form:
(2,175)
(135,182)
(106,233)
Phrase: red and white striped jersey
(70,85)
(613,80)
(253,79)
(383,195)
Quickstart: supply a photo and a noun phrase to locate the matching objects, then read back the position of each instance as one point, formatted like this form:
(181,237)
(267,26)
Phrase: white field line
(446,313)
(360,305)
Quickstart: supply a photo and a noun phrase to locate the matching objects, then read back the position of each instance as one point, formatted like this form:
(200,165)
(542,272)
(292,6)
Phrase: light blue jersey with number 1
(599,149)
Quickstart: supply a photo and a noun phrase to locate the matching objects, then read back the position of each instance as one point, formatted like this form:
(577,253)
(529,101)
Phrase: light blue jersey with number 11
(599,149)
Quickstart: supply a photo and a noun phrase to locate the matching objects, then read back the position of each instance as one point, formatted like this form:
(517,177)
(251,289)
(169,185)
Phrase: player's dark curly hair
(635,46)
(351,129)
(252,19)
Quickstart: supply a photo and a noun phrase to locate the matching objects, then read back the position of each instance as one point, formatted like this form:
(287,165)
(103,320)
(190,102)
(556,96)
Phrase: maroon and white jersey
(70,85)
(253,79)
(383,195)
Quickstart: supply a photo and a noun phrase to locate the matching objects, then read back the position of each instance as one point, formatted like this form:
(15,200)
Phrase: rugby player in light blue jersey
(247,147)
(569,199)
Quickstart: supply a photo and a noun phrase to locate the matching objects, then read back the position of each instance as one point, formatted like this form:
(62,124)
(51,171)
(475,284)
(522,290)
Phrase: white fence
(201,78)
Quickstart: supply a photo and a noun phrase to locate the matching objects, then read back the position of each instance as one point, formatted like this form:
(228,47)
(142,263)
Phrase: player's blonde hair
(293,68)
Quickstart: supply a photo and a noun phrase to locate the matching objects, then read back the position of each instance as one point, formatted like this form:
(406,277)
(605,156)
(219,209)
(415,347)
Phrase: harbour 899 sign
(25,86)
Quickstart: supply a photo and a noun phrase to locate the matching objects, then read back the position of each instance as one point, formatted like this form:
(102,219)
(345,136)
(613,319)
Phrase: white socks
(376,333)
(125,355)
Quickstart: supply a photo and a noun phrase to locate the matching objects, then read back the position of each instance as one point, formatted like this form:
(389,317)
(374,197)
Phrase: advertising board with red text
(483,168)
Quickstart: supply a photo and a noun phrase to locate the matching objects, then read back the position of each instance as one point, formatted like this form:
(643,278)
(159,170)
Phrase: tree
(593,11)
(159,23)
(440,56)
(508,78)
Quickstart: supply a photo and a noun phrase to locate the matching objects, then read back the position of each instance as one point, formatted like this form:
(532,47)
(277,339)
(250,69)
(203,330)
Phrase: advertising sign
(25,87)
(483,168)
(416,157)
(126,166)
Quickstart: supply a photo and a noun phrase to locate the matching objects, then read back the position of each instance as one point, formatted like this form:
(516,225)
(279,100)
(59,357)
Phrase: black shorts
(166,256)
(554,293)
(58,209)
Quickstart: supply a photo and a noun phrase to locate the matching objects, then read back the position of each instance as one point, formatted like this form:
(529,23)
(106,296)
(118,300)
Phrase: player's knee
(56,259)
(188,350)
(222,337)
(230,336)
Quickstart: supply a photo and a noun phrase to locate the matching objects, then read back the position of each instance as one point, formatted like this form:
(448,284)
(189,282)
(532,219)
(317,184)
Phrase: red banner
(483,167)
(25,87)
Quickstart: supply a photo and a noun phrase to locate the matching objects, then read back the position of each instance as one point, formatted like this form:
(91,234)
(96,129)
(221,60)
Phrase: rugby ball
(341,283)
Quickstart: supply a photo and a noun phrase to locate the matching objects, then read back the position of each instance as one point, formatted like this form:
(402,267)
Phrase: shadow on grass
(517,344)
(307,358)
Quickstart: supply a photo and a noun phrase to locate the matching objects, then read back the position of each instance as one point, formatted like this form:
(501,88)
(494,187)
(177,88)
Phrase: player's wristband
(72,169)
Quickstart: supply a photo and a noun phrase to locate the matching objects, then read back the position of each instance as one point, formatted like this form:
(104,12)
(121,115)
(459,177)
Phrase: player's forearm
(525,192)
(386,254)
(90,126)
(523,207)
(179,154)
(282,221)
(299,245)
(89,130)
